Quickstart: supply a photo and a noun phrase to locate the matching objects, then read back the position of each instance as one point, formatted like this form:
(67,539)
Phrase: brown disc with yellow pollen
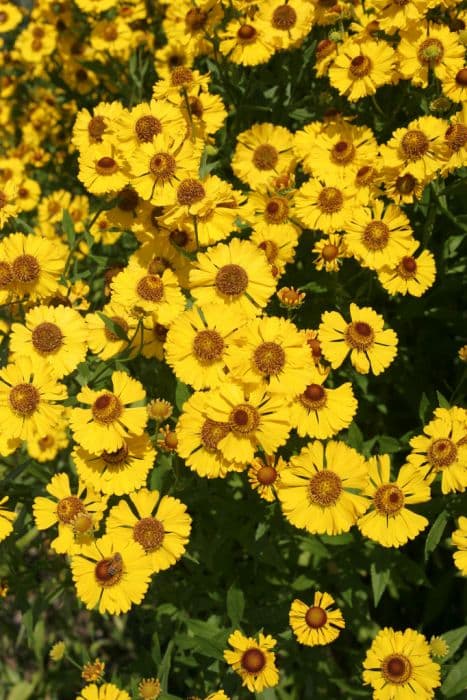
(360,66)
(269,358)
(108,572)
(407,267)
(106,166)
(284,17)
(396,668)
(253,660)
(181,76)
(430,51)
(117,458)
(96,128)
(231,280)
(315,617)
(208,346)
(106,408)
(162,166)
(276,210)
(147,127)
(414,144)
(359,335)
(389,499)
(24,399)
(343,152)
(442,453)
(314,397)
(330,200)
(190,191)
(212,432)
(265,157)
(244,419)
(47,337)
(195,19)
(121,323)
(151,288)
(456,136)
(25,269)
(324,488)
(149,532)
(68,508)
(266,475)
(6,274)
(376,235)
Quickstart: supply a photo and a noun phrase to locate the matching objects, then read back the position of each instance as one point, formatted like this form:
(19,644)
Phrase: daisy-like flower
(236,274)
(393,14)
(402,189)
(218,695)
(459,539)
(409,275)
(111,416)
(263,152)
(197,344)
(114,37)
(443,449)
(288,22)
(320,488)
(96,127)
(253,420)
(389,522)
(247,43)
(160,525)
(149,119)
(278,247)
(207,113)
(455,139)
(455,85)
(102,340)
(325,204)
(107,691)
(9,203)
(93,671)
(180,79)
(426,47)
(330,252)
(341,150)
(77,513)
(321,412)
(369,345)
(111,574)
(438,647)
(10,17)
(378,236)
(56,335)
(253,660)
(7,518)
(102,168)
(270,211)
(45,447)
(149,689)
(118,472)
(57,652)
(264,476)
(29,397)
(418,149)
(359,69)
(139,290)
(398,666)
(316,624)
(270,353)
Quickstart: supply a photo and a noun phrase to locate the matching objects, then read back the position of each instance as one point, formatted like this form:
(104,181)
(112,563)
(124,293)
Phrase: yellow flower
(426,47)
(325,203)
(108,691)
(247,43)
(93,671)
(264,476)
(114,37)
(253,661)
(160,525)
(45,447)
(330,251)
(288,23)
(369,345)
(180,79)
(456,141)
(389,522)
(398,666)
(263,152)
(321,412)
(9,202)
(340,150)
(111,417)
(6,519)
(158,410)
(459,539)
(137,289)
(102,168)
(28,399)
(111,574)
(417,149)
(98,127)
(359,69)
(409,275)
(316,624)
(271,212)
(236,274)
(149,119)
(438,647)
(54,335)
(105,342)
(455,85)
(10,17)
(319,489)
(57,652)
(394,15)
(149,689)
(77,513)
(443,449)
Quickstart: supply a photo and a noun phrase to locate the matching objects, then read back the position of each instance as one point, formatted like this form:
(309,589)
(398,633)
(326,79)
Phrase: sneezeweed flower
(331,250)
(322,489)
(369,345)
(236,274)
(288,23)
(57,652)
(180,79)
(325,203)
(77,513)
(321,412)
(359,69)
(10,17)
(7,518)
(118,472)
(160,525)
(409,275)
(29,397)
(443,449)
(438,647)
(317,624)
(428,47)
(459,539)
(418,149)
(264,151)
(253,661)
(290,298)
(102,340)
(93,671)
(149,119)
(9,205)
(159,410)
(111,416)
(247,43)
(398,666)
(108,691)
(462,354)
(111,574)
(278,247)
(149,689)
(45,447)
(389,522)
(264,476)
(102,168)
(167,439)
(340,150)
(54,335)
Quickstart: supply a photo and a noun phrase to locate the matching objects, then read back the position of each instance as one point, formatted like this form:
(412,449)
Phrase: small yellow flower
(93,671)
(167,439)
(290,298)
(57,652)
(438,647)
(149,689)
(463,353)
(159,409)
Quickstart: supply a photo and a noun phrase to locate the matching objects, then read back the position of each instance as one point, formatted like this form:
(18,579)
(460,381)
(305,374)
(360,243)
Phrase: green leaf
(21,691)
(388,444)
(355,436)
(456,680)
(423,407)
(69,228)
(235,605)
(164,668)
(436,532)
(113,327)
(379,582)
(454,639)
(442,400)
(182,393)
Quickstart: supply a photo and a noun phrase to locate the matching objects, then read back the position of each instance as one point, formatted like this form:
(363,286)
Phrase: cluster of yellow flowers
(205,260)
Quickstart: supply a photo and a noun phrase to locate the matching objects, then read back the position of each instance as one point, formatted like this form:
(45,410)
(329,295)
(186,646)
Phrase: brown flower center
(213,432)
(244,419)
(160,332)
(127,199)
(442,453)
(407,268)
(181,76)
(330,200)
(26,268)
(82,525)
(24,399)
(108,572)
(253,660)
(195,19)
(365,176)
(107,408)
(265,157)
(376,235)
(162,166)
(360,66)
(316,617)
(116,458)
(406,184)
(106,166)
(461,77)
(396,668)
(208,346)
(190,191)
(96,128)
(150,288)
(315,347)
(121,323)
(414,144)
(276,210)
(231,280)
(324,488)
(149,532)
(246,33)
(266,475)
(147,127)
(179,237)
(325,48)
(284,17)
(430,51)
(269,358)
(456,136)
(314,397)
(68,508)
(196,107)
(47,337)
(330,252)
(388,499)
(6,274)
(359,335)
(46,442)
(343,152)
